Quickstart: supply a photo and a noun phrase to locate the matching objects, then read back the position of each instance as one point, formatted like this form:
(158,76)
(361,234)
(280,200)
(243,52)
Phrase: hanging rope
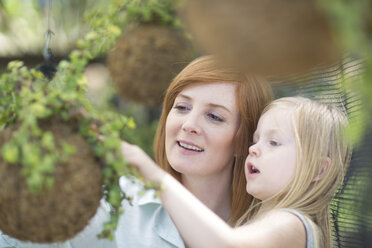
(48,12)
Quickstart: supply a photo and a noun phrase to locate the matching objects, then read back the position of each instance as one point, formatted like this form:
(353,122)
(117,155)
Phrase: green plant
(26,97)
(161,11)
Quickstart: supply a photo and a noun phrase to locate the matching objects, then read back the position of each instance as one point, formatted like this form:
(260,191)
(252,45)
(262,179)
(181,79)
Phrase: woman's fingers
(132,153)
(139,159)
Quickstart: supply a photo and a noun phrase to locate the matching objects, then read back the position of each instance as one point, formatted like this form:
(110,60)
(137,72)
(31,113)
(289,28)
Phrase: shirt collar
(166,229)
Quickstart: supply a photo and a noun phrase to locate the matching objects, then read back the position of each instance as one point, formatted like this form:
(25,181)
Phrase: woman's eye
(181,107)
(215,117)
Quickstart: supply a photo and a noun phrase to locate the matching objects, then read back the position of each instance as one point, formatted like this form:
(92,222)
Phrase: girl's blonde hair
(322,159)
(252,95)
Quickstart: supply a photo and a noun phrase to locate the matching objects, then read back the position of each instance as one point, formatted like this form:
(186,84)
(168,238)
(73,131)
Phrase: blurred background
(319,49)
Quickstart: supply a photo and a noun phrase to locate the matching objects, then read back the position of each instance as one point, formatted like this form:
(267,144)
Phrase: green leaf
(47,141)
(49,182)
(115,196)
(113,30)
(10,153)
(131,124)
(68,149)
(111,142)
(35,182)
(47,164)
(107,172)
(15,65)
(31,154)
(118,165)
(98,150)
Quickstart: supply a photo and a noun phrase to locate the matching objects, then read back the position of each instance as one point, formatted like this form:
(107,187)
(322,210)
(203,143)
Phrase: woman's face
(200,129)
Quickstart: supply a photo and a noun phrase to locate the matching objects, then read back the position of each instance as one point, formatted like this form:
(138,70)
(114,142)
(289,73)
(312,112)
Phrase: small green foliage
(15,65)
(27,99)
(47,140)
(115,196)
(10,153)
(158,11)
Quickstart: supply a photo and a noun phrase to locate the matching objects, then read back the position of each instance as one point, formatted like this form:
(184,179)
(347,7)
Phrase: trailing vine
(27,97)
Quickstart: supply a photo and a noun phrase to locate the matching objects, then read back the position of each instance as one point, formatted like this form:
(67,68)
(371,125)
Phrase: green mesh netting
(351,209)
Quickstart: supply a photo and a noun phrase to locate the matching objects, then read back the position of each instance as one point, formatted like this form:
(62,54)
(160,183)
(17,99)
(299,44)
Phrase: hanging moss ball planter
(57,213)
(145,59)
(59,156)
(268,37)
(54,166)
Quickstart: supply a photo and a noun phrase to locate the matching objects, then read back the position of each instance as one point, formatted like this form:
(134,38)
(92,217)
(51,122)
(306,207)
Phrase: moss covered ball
(145,59)
(58,213)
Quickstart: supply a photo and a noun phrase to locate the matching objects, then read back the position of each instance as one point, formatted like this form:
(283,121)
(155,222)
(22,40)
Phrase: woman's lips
(189,146)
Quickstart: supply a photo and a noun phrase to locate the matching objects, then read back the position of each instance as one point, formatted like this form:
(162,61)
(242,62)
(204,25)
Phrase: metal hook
(47,52)
(47,68)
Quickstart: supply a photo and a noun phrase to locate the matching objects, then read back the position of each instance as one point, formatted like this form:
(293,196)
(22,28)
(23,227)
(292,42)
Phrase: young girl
(293,169)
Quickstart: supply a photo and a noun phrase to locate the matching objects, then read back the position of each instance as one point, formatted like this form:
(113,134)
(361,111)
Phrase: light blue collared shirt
(8,242)
(145,223)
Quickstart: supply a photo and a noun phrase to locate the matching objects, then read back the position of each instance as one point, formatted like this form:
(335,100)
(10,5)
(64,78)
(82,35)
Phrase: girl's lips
(252,169)
(189,146)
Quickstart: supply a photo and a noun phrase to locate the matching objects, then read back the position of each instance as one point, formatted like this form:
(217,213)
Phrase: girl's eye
(215,117)
(274,143)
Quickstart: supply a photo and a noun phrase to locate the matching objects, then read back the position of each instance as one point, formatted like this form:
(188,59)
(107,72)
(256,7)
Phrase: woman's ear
(324,169)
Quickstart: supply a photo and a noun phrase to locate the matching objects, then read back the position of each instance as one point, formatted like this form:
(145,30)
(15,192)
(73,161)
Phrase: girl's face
(271,163)
(200,129)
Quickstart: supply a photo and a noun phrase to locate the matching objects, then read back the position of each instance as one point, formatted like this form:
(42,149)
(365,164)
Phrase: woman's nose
(191,124)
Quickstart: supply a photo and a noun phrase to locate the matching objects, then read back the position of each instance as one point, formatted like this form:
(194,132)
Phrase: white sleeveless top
(310,241)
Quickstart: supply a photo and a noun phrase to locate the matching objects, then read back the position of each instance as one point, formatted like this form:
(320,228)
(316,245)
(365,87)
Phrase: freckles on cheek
(168,129)
(224,145)
(167,139)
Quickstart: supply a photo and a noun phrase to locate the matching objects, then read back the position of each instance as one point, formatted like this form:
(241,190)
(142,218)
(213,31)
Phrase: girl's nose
(254,150)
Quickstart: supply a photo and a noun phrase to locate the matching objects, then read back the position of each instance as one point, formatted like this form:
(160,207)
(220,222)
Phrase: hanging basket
(145,59)
(268,37)
(58,213)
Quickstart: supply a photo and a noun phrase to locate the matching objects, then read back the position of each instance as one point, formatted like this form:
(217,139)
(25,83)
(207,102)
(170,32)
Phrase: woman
(293,169)
(209,114)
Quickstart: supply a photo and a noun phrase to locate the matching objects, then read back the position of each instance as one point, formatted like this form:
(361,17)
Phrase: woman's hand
(145,165)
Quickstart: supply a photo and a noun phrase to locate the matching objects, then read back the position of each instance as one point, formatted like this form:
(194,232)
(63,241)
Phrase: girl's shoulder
(296,222)
(277,228)
(310,227)
(290,219)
